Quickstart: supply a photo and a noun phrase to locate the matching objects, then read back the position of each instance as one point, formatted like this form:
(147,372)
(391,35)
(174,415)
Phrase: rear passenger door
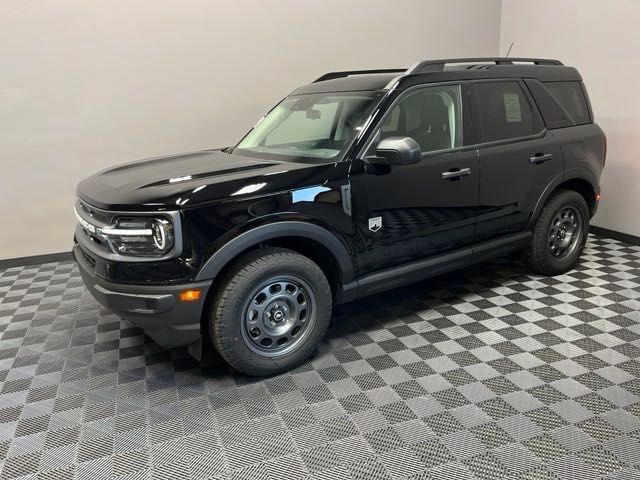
(518,156)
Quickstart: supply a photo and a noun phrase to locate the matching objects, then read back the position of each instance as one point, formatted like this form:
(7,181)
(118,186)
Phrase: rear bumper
(154,308)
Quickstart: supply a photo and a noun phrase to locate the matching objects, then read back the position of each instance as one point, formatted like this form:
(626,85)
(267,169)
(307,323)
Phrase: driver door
(405,213)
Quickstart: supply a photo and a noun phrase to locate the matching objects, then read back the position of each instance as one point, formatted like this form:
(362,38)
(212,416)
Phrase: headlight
(140,236)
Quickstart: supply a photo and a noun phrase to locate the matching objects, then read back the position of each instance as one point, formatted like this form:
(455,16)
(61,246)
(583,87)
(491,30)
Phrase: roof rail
(332,75)
(438,65)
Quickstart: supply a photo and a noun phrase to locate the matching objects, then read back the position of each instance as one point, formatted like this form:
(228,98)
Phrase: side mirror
(396,151)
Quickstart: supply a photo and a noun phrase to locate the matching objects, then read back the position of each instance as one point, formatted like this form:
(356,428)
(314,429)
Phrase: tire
(270,311)
(554,251)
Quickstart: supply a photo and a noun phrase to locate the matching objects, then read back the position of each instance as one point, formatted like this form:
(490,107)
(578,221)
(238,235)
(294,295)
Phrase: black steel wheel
(278,315)
(565,232)
(559,234)
(270,311)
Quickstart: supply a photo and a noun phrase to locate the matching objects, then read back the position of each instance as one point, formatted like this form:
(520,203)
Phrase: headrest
(434,113)
(433,103)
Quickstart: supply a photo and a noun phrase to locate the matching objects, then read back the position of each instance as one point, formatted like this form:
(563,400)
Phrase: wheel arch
(580,180)
(309,239)
(584,188)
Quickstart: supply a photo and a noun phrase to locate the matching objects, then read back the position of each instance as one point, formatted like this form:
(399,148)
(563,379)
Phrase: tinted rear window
(554,115)
(504,112)
(572,99)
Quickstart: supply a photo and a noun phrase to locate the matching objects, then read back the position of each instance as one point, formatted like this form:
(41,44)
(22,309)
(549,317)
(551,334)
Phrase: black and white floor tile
(488,373)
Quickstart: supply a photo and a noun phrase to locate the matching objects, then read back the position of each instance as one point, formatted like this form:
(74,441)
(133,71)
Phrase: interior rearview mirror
(313,114)
(396,151)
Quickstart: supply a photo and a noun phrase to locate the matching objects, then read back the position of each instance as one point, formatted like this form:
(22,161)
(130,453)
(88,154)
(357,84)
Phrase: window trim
(468,106)
(532,104)
(401,94)
(587,101)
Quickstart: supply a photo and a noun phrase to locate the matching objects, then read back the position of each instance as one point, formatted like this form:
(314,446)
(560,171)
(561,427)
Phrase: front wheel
(270,312)
(559,234)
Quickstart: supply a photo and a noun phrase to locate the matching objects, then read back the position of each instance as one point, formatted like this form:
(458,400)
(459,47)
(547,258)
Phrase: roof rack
(438,65)
(333,75)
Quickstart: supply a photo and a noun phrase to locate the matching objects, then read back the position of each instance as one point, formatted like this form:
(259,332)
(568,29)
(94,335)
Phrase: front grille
(97,240)
(91,214)
(88,257)
(98,218)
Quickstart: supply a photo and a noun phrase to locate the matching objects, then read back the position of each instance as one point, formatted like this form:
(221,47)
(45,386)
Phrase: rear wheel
(559,234)
(270,312)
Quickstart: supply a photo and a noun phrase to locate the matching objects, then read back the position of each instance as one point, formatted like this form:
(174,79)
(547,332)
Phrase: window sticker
(512,107)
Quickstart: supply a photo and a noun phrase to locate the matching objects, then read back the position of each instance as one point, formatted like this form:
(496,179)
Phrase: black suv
(359,182)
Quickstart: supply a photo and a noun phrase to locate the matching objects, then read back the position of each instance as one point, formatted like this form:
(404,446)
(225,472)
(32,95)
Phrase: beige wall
(87,84)
(601,39)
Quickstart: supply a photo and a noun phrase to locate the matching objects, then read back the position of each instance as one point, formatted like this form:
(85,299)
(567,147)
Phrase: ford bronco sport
(359,182)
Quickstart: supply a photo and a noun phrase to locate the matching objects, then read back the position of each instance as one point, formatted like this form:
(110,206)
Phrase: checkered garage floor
(488,373)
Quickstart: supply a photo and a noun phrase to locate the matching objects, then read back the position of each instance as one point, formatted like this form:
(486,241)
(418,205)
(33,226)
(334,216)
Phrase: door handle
(455,174)
(540,158)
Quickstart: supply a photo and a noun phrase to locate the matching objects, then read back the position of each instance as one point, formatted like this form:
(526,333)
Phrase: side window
(350,114)
(390,124)
(555,116)
(571,97)
(432,116)
(504,112)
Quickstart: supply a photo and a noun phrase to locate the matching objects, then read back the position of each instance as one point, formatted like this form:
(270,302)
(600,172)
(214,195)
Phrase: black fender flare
(578,173)
(230,250)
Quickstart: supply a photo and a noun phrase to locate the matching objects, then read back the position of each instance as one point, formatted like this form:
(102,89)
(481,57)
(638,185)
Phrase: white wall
(602,40)
(87,84)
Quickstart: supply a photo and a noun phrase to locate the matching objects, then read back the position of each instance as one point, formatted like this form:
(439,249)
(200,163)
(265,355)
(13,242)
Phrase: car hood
(184,180)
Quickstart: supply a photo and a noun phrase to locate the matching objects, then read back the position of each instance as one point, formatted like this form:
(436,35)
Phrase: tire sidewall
(230,342)
(566,199)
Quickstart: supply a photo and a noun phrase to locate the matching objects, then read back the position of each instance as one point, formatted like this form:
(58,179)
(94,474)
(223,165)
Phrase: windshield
(317,126)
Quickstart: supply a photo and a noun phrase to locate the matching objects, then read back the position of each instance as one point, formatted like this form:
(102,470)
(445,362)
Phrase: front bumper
(154,308)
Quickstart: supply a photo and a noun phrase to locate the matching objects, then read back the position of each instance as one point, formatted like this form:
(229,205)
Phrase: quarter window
(432,116)
(504,112)
(555,116)
(571,97)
